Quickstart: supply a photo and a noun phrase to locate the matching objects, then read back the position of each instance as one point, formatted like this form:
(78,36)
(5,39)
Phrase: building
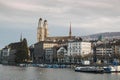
(117,47)
(14,52)
(79,48)
(8,53)
(31,49)
(42,30)
(49,55)
(62,56)
(116,51)
(5,55)
(45,46)
(55,54)
(41,49)
(104,49)
(42,33)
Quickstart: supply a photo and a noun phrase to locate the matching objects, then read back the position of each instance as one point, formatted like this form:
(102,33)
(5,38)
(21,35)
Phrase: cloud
(86,16)
(20,5)
(59,11)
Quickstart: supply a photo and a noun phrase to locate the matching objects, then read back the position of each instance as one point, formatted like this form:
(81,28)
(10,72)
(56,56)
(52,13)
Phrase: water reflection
(36,73)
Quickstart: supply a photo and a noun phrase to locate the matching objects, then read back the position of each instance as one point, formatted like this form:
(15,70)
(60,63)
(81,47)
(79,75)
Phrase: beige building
(117,49)
(42,30)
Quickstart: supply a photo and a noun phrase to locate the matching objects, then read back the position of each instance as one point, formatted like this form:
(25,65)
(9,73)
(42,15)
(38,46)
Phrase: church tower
(21,38)
(45,26)
(40,31)
(70,32)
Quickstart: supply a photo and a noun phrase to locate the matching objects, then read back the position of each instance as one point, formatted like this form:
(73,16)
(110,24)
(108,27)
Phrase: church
(42,33)
(47,45)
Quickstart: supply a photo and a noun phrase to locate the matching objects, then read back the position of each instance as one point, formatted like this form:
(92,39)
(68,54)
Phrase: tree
(22,53)
(25,49)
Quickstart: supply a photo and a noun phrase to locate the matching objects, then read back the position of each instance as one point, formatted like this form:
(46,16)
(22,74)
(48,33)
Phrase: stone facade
(42,30)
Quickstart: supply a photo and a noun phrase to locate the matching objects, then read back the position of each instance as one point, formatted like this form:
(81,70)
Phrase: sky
(86,16)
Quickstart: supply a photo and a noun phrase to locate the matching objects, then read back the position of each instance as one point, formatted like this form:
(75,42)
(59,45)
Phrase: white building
(62,50)
(79,48)
(62,54)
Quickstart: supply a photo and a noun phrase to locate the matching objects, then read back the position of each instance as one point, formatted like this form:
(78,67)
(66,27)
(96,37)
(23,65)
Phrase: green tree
(22,53)
(25,49)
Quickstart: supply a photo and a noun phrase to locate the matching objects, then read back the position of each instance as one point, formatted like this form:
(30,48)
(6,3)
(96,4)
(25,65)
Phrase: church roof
(45,42)
(15,45)
(61,37)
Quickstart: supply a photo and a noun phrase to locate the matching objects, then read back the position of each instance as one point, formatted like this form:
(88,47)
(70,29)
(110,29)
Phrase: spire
(21,37)
(45,24)
(70,32)
(40,23)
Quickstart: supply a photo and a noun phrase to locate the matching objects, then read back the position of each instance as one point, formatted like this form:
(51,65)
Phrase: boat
(111,69)
(89,69)
(107,69)
(22,65)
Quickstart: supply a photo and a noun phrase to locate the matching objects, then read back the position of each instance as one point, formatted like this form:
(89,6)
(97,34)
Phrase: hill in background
(106,35)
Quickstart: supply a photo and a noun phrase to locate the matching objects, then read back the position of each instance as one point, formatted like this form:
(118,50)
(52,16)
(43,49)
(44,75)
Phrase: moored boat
(89,69)
(111,69)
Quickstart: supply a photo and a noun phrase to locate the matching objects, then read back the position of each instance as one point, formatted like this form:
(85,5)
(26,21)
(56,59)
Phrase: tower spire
(70,32)
(21,37)
(40,23)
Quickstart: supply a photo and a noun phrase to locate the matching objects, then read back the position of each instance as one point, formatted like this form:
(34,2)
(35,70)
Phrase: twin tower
(42,30)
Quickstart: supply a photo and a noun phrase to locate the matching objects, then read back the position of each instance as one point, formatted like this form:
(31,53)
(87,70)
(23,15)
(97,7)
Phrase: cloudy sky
(86,16)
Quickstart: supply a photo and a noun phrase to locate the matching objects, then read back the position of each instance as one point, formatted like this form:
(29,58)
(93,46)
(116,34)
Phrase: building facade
(8,55)
(104,49)
(79,48)
(117,49)
(62,56)
(5,55)
(49,55)
(41,49)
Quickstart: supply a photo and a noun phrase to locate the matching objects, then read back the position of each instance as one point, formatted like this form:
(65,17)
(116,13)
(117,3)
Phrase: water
(35,73)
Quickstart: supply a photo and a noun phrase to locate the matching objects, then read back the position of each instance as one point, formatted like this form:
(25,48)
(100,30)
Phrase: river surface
(36,73)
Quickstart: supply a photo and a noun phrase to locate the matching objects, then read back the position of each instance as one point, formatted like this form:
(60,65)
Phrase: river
(36,73)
